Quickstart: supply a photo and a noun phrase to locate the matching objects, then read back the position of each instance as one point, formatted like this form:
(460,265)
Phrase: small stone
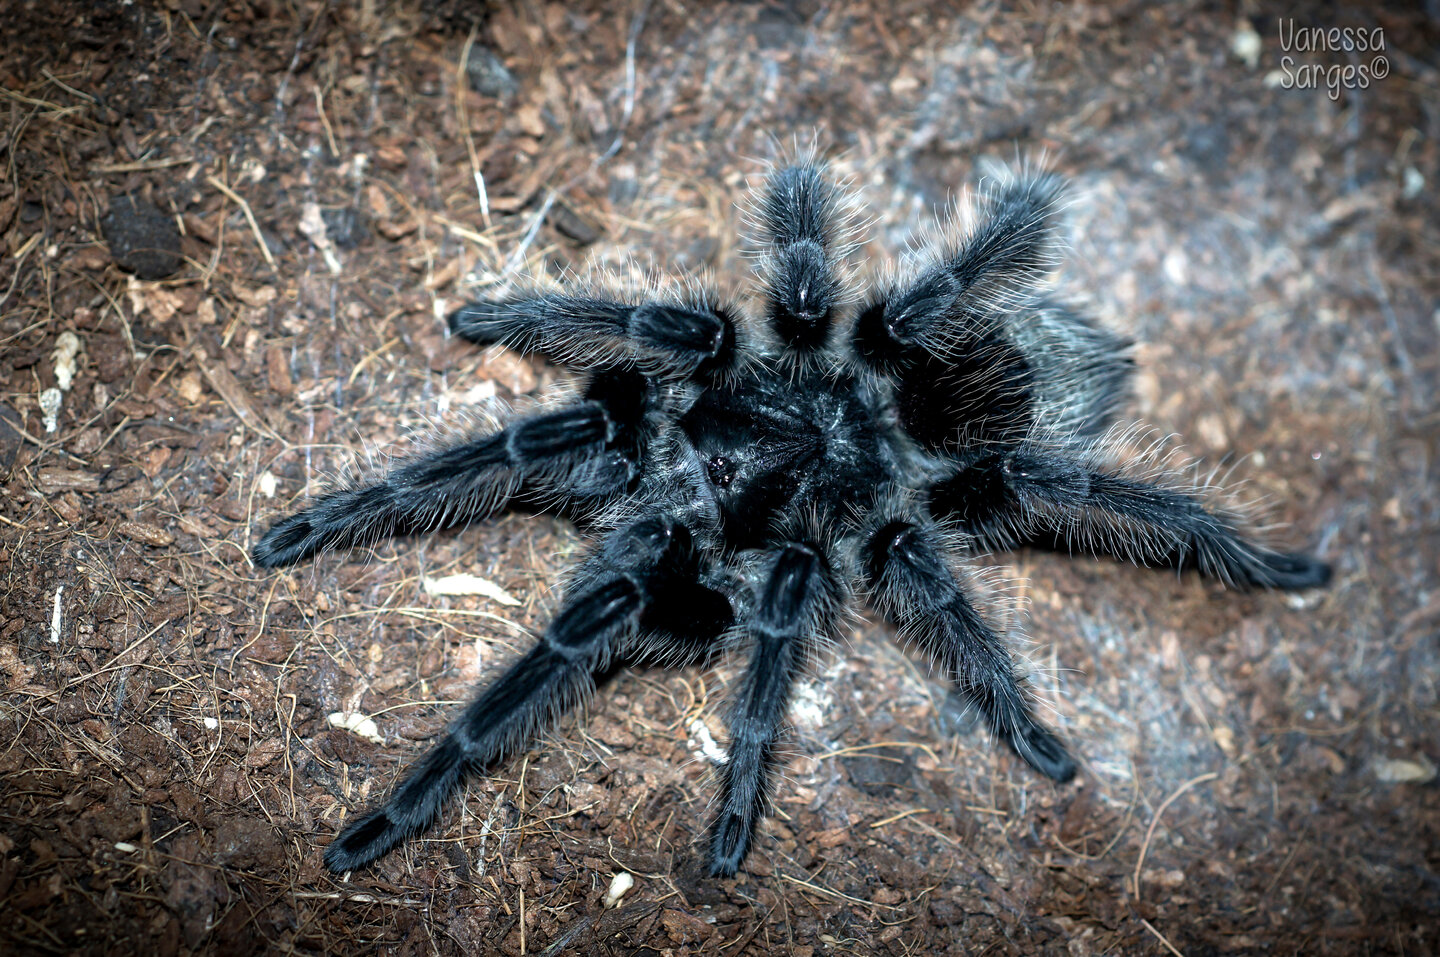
(573,226)
(488,76)
(143,240)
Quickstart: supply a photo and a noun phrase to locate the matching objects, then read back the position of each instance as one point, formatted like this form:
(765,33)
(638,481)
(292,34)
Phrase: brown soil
(1264,763)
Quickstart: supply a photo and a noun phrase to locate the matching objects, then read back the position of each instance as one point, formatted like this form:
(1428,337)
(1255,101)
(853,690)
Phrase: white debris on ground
(812,702)
(619,884)
(1246,45)
(703,745)
(357,724)
(1414,183)
(55,616)
(50,401)
(1401,771)
(312,224)
(67,347)
(468,585)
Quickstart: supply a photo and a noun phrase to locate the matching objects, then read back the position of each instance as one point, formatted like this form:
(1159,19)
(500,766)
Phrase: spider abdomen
(981,398)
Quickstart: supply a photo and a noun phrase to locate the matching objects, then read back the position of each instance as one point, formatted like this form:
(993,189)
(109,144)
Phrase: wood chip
(189,388)
(686,928)
(234,394)
(255,296)
(61,480)
(277,371)
(144,532)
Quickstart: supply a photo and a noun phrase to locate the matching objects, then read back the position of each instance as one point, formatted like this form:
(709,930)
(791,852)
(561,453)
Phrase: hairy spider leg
(911,581)
(694,337)
(793,597)
(797,219)
(1083,370)
(950,305)
(960,379)
(1039,497)
(628,576)
(589,450)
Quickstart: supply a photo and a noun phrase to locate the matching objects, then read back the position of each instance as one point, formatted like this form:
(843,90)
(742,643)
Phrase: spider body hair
(750,481)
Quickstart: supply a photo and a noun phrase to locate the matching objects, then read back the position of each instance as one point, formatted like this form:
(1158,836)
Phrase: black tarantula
(751,479)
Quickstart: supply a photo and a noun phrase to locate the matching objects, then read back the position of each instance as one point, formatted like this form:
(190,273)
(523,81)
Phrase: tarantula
(750,479)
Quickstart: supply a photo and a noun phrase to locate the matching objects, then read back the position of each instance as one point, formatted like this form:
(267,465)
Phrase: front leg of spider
(799,230)
(694,335)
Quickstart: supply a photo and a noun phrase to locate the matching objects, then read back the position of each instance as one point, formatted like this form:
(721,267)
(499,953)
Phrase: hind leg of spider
(1025,496)
(625,582)
(792,598)
(589,450)
(693,335)
(911,581)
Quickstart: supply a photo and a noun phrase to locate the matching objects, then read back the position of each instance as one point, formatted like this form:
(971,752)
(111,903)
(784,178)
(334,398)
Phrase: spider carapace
(774,447)
(749,480)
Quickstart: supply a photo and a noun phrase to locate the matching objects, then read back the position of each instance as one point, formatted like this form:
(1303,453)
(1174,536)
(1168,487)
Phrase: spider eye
(722,471)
